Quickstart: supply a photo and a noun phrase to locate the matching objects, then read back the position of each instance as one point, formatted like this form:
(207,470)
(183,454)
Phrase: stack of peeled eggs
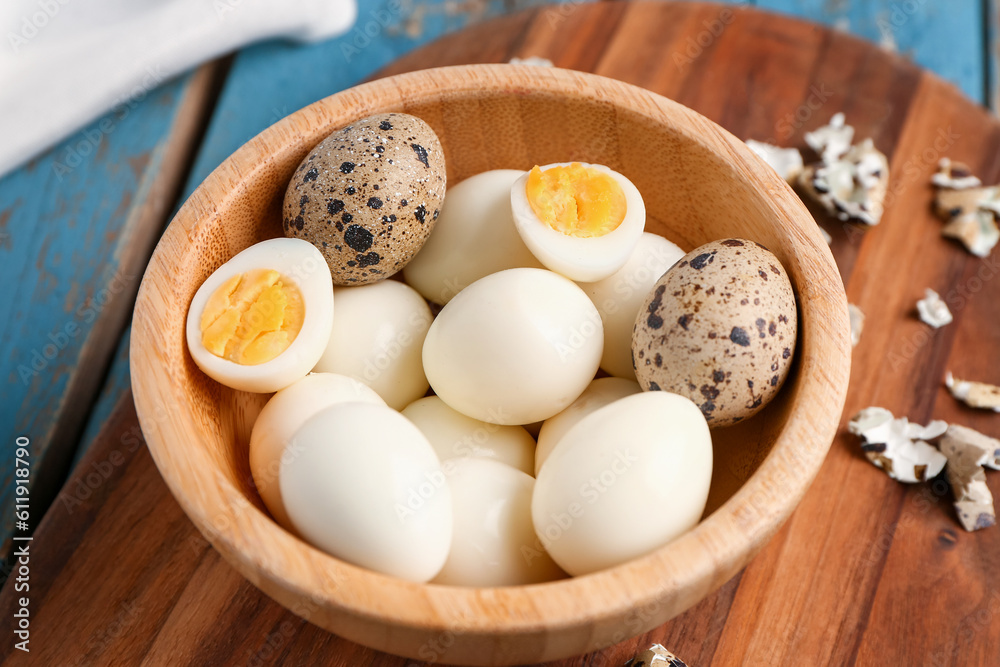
(533,398)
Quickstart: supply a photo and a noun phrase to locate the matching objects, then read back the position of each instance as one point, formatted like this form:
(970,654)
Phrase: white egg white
(282,416)
(457,436)
(473,237)
(494,542)
(600,392)
(514,347)
(364,485)
(303,265)
(623,481)
(377,339)
(580,259)
(620,296)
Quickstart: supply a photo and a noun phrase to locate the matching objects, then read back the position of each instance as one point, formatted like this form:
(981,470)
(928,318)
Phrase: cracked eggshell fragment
(833,140)
(974,394)
(786,161)
(977,231)
(954,175)
(971,216)
(655,655)
(535,61)
(852,187)
(973,500)
(956,203)
(933,310)
(897,446)
(857,323)
(967,451)
(984,449)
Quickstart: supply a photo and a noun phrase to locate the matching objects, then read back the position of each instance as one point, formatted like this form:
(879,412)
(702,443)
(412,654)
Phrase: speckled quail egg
(619,297)
(719,327)
(261,321)
(474,237)
(580,220)
(368,196)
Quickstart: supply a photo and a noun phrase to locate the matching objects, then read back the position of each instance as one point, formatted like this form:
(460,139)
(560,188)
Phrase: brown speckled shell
(368,195)
(719,327)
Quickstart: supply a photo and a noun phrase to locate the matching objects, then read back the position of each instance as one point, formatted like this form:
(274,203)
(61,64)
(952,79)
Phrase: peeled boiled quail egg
(365,486)
(600,392)
(580,220)
(515,347)
(262,320)
(377,338)
(619,297)
(474,237)
(494,543)
(283,414)
(602,498)
(455,436)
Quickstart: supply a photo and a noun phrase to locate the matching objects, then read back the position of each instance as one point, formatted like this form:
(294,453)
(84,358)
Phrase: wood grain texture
(948,38)
(867,571)
(958,43)
(699,183)
(991,27)
(167,597)
(281,77)
(116,384)
(79,224)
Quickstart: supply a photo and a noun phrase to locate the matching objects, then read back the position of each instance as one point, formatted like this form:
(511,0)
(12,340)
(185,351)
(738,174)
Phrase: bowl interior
(699,184)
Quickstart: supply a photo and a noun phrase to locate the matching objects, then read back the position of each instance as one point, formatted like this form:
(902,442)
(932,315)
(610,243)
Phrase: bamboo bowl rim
(682,571)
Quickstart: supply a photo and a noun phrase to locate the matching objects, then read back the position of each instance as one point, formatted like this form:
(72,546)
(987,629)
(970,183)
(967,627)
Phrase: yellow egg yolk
(576,200)
(252,318)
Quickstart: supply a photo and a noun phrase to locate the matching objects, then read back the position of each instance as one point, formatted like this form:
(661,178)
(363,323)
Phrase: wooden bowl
(699,183)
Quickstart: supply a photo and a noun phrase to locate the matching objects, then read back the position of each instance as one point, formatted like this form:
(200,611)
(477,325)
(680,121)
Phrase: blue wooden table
(77,224)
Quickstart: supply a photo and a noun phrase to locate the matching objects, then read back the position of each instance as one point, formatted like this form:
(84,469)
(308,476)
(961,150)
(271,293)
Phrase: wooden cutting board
(867,571)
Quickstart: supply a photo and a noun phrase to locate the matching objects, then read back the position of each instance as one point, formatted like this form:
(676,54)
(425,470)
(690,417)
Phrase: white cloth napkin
(63,63)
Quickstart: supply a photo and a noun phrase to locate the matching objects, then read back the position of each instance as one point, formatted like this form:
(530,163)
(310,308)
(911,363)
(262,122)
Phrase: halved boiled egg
(263,319)
(580,220)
